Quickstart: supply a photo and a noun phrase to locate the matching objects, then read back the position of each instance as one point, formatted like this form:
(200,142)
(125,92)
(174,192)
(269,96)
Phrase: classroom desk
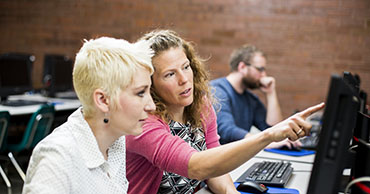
(60,104)
(21,114)
(300,177)
(303,159)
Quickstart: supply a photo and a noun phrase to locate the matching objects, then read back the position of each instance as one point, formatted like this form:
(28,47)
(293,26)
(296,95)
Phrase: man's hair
(108,64)
(244,54)
(163,40)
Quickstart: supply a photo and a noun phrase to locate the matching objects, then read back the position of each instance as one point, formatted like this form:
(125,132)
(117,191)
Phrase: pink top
(157,150)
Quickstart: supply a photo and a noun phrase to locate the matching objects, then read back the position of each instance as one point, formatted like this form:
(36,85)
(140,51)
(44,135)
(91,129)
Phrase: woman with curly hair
(179,146)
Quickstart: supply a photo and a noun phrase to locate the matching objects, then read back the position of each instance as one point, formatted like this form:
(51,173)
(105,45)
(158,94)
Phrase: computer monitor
(363,102)
(339,119)
(355,81)
(57,76)
(352,79)
(362,128)
(15,74)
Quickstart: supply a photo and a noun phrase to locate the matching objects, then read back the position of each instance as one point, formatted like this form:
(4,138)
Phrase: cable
(353,147)
(356,180)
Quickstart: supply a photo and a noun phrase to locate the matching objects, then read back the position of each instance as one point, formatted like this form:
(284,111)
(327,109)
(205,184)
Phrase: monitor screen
(339,120)
(57,74)
(15,74)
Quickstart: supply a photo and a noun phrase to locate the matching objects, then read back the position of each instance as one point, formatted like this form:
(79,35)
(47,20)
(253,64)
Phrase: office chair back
(40,125)
(4,123)
(37,128)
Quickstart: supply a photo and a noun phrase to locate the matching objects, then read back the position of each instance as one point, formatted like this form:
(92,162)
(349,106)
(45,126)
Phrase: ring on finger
(299,132)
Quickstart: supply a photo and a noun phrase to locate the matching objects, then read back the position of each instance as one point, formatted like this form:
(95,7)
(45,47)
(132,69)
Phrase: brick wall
(305,41)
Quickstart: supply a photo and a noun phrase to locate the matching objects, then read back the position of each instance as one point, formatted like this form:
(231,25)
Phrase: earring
(106,120)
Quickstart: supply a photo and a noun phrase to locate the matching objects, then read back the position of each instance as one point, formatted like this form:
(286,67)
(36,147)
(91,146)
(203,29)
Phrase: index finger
(311,110)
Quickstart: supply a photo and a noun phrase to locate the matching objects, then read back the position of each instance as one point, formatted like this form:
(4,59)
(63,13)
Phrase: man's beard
(250,83)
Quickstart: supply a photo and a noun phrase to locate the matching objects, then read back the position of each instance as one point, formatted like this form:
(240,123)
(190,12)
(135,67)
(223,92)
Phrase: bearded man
(238,108)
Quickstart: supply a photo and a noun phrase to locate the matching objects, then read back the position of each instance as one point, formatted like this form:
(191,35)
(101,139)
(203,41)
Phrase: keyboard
(66,95)
(21,102)
(310,142)
(269,173)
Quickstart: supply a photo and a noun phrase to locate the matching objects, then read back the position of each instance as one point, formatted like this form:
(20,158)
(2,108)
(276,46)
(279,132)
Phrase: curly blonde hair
(163,40)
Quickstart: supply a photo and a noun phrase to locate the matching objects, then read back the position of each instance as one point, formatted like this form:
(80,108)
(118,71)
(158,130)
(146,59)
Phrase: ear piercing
(105,120)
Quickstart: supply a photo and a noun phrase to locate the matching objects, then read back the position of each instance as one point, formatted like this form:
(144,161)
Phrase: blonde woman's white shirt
(69,161)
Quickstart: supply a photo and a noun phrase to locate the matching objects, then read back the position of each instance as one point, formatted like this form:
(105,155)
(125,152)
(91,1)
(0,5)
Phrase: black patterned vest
(174,183)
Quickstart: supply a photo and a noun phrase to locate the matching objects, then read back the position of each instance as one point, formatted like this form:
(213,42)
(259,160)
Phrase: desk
(20,114)
(60,104)
(309,159)
(300,177)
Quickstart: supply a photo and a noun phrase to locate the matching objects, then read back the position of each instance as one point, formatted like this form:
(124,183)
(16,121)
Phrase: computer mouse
(252,187)
(297,149)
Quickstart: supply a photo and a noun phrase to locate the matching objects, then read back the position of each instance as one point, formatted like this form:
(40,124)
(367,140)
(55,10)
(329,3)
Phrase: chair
(4,123)
(37,128)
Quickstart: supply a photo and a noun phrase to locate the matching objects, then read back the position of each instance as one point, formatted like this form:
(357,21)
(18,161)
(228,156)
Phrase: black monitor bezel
(50,75)
(342,102)
(6,91)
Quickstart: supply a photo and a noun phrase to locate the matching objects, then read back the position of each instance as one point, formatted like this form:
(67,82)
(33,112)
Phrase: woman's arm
(221,160)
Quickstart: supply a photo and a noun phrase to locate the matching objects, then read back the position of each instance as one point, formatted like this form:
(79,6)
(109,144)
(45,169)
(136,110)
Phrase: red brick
(306,41)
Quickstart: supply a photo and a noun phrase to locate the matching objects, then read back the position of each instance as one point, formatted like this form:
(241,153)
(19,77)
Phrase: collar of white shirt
(89,147)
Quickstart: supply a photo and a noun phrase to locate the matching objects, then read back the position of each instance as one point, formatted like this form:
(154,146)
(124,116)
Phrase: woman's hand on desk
(293,127)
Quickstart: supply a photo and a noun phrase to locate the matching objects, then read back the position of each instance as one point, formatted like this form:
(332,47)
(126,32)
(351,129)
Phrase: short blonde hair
(108,64)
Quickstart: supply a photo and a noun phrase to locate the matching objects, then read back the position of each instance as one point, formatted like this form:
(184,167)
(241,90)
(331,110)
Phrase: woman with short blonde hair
(86,154)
